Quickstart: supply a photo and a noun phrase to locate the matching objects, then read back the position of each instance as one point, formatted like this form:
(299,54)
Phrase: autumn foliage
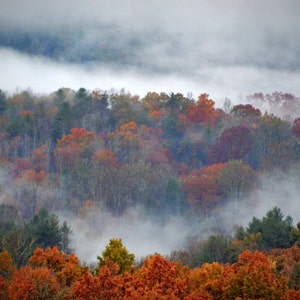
(94,153)
(33,283)
(52,274)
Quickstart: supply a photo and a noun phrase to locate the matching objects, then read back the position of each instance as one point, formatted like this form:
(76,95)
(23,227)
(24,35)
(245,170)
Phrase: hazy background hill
(226,49)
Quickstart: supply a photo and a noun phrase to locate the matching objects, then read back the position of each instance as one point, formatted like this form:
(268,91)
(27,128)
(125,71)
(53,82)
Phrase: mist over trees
(101,156)
(164,154)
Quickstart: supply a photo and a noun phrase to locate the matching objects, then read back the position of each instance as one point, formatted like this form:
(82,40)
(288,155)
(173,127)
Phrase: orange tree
(65,267)
(206,282)
(252,278)
(201,188)
(33,283)
(159,278)
(7,268)
(107,284)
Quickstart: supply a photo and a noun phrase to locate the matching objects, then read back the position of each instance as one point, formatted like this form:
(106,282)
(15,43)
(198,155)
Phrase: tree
(75,147)
(104,172)
(271,130)
(48,231)
(27,185)
(234,143)
(296,127)
(201,188)
(126,142)
(107,284)
(246,113)
(66,267)
(39,158)
(281,156)
(78,136)
(127,108)
(46,227)
(23,126)
(82,105)
(101,114)
(178,102)
(237,180)
(154,102)
(73,155)
(174,197)
(87,287)
(276,231)
(3,103)
(203,111)
(66,242)
(286,262)
(63,121)
(160,279)
(20,243)
(33,283)
(252,278)
(115,252)
(214,249)
(3,289)
(7,266)
(205,282)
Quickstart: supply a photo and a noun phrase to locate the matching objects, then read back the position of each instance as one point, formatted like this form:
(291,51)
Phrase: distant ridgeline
(69,45)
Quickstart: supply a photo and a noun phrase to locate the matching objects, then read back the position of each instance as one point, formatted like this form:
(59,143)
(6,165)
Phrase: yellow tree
(117,253)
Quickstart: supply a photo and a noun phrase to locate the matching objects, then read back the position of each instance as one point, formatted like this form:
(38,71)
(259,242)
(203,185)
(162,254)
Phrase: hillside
(166,173)
(87,153)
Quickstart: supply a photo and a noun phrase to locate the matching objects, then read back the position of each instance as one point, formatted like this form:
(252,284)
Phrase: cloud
(144,235)
(44,76)
(224,48)
(195,33)
(141,235)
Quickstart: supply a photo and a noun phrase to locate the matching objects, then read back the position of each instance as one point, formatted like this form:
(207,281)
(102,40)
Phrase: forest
(91,154)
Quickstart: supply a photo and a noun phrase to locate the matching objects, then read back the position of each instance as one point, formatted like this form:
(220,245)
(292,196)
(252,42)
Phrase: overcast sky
(226,48)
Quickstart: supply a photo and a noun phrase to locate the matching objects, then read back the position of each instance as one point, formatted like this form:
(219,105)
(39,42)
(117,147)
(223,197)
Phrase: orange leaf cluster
(203,111)
(53,274)
(106,157)
(78,136)
(201,187)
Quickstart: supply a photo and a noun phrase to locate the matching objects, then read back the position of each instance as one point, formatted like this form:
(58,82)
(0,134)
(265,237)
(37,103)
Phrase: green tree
(214,249)
(82,107)
(46,227)
(3,103)
(276,231)
(49,232)
(271,130)
(115,252)
(65,243)
(63,120)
